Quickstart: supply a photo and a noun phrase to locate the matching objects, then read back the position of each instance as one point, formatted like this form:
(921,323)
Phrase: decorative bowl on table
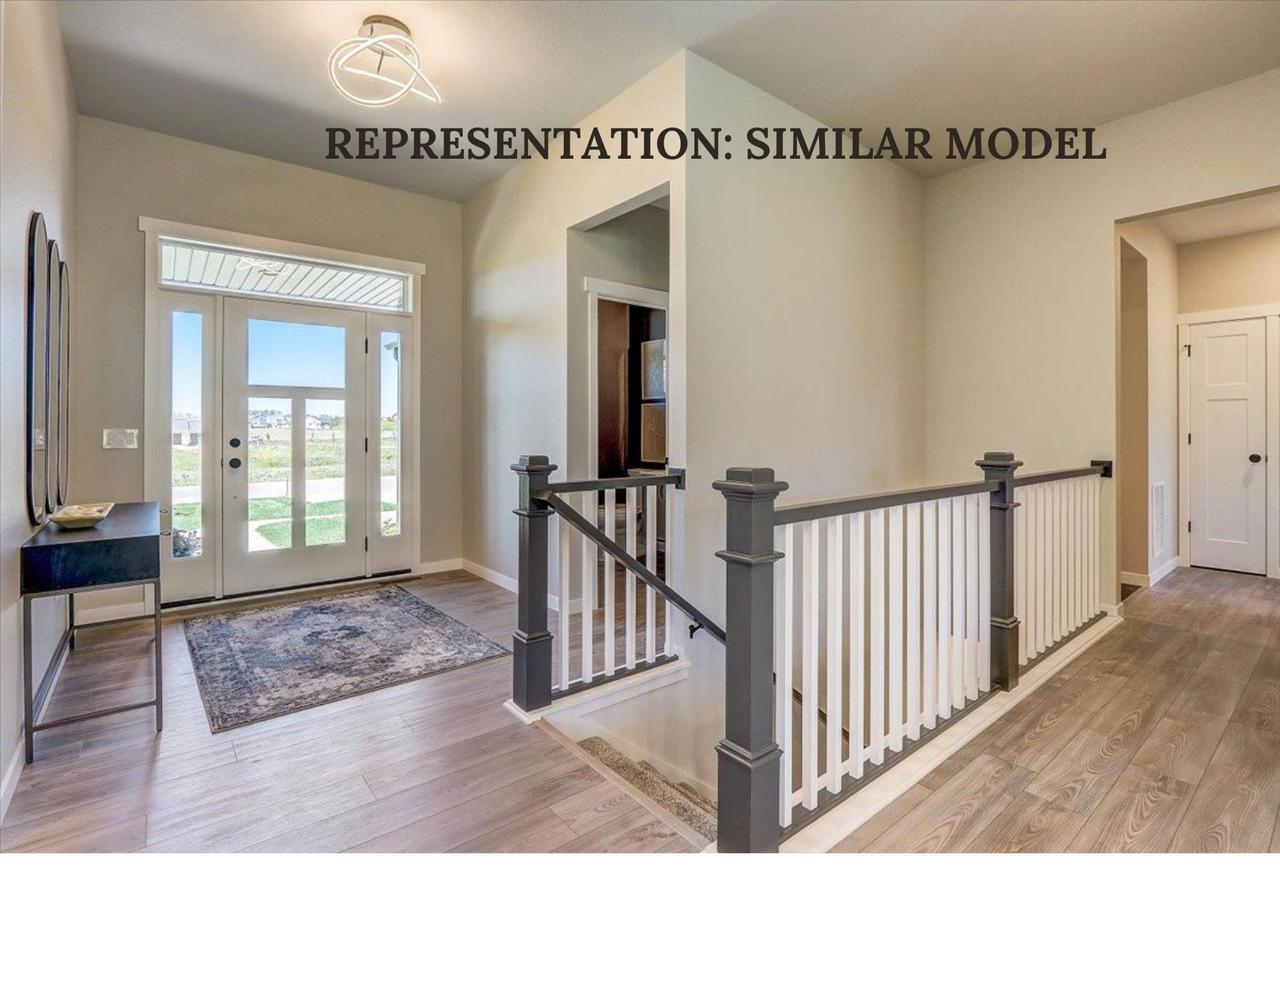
(84,516)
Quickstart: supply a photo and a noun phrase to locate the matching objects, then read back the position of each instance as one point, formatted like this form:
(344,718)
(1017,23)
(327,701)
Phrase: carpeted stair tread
(671,796)
(686,791)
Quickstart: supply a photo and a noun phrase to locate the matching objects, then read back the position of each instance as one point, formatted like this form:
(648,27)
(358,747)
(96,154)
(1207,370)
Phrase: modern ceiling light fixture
(381,65)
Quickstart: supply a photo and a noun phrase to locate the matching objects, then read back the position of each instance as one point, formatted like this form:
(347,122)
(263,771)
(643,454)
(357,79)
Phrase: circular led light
(396,64)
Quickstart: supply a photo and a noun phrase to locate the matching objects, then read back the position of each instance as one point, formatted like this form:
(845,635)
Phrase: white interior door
(293,445)
(1228,445)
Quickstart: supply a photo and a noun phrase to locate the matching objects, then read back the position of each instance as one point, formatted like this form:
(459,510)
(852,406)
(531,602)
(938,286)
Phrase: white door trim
(1271,313)
(597,289)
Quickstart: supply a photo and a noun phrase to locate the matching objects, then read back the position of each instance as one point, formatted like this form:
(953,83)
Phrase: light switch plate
(118,438)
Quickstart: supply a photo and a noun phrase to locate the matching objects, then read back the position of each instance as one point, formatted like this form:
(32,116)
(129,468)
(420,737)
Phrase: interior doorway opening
(1204,281)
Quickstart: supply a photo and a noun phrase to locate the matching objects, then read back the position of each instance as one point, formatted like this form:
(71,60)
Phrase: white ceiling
(1226,219)
(938,63)
(252,76)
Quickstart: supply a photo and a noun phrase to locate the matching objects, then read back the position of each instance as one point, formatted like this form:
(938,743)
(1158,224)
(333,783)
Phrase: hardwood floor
(432,765)
(1163,736)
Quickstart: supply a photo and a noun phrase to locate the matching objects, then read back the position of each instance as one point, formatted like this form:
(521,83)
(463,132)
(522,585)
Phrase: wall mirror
(64,383)
(52,407)
(37,369)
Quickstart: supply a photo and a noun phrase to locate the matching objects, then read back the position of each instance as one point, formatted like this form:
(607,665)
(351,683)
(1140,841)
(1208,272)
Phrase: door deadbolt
(1255,458)
(233,442)
(233,463)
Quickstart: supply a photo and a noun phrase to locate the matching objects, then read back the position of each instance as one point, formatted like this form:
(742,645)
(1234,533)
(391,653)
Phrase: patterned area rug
(262,663)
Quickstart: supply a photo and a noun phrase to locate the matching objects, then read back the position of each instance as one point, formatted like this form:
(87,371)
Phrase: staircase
(680,800)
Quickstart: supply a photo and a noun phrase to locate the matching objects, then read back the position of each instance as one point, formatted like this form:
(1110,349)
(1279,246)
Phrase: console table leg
(159,661)
(28,723)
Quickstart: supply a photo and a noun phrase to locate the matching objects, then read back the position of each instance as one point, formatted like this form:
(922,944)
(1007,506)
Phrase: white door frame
(597,289)
(1271,313)
(156,377)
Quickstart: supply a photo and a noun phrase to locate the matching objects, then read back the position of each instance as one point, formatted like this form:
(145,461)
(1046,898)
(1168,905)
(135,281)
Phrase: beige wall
(1161,424)
(517,340)
(804,353)
(1132,426)
(1229,272)
(125,172)
(1020,295)
(631,249)
(37,166)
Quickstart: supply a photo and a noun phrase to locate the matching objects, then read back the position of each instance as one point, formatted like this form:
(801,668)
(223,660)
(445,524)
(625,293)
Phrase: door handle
(233,463)
(1255,458)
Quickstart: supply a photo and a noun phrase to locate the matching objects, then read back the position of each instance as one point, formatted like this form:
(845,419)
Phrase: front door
(1228,445)
(293,445)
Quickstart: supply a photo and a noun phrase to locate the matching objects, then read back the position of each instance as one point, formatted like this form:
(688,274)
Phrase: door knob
(233,463)
(1255,458)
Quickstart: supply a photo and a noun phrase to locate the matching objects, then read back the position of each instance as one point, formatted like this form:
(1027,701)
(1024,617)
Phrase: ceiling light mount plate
(381,65)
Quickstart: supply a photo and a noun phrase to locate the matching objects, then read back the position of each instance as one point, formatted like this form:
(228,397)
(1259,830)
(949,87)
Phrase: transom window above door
(189,264)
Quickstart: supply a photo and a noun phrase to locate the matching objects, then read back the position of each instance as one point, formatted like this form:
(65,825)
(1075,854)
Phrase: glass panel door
(393,539)
(185,446)
(293,445)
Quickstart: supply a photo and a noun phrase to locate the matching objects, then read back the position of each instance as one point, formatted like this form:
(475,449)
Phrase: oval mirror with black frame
(64,385)
(51,378)
(37,367)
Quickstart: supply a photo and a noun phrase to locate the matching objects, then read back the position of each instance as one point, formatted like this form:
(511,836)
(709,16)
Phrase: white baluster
(1044,579)
(668,554)
(629,611)
(564,606)
(809,670)
(1020,608)
(784,606)
(1062,561)
(609,525)
(1097,544)
(913,621)
(835,652)
(877,657)
(588,588)
(896,718)
(650,561)
(984,592)
(930,657)
(971,597)
(944,610)
(958,593)
(857,642)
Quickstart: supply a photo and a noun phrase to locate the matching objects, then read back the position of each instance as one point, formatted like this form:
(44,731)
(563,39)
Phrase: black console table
(123,550)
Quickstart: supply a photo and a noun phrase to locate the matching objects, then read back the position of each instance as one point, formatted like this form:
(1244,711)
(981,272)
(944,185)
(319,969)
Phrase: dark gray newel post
(1000,467)
(748,755)
(531,667)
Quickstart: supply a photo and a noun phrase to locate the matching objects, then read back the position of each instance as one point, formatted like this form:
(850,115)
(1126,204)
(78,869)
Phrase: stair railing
(897,613)
(546,666)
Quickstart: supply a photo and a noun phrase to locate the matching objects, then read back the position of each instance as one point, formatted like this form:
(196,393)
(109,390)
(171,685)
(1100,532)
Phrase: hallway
(1163,736)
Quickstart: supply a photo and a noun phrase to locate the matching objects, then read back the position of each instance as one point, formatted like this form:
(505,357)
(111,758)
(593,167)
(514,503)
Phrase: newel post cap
(750,482)
(998,461)
(534,463)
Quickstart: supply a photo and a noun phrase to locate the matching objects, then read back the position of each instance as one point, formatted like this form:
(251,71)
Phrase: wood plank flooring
(1163,736)
(432,765)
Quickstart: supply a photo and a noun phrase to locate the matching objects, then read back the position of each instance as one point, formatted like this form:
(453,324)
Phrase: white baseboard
(439,566)
(510,584)
(1136,579)
(492,576)
(607,694)
(1163,571)
(842,820)
(111,613)
(9,782)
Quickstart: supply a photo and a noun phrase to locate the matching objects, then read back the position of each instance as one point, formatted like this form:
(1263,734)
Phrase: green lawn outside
(320,531)
(187,517)
(270,461)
